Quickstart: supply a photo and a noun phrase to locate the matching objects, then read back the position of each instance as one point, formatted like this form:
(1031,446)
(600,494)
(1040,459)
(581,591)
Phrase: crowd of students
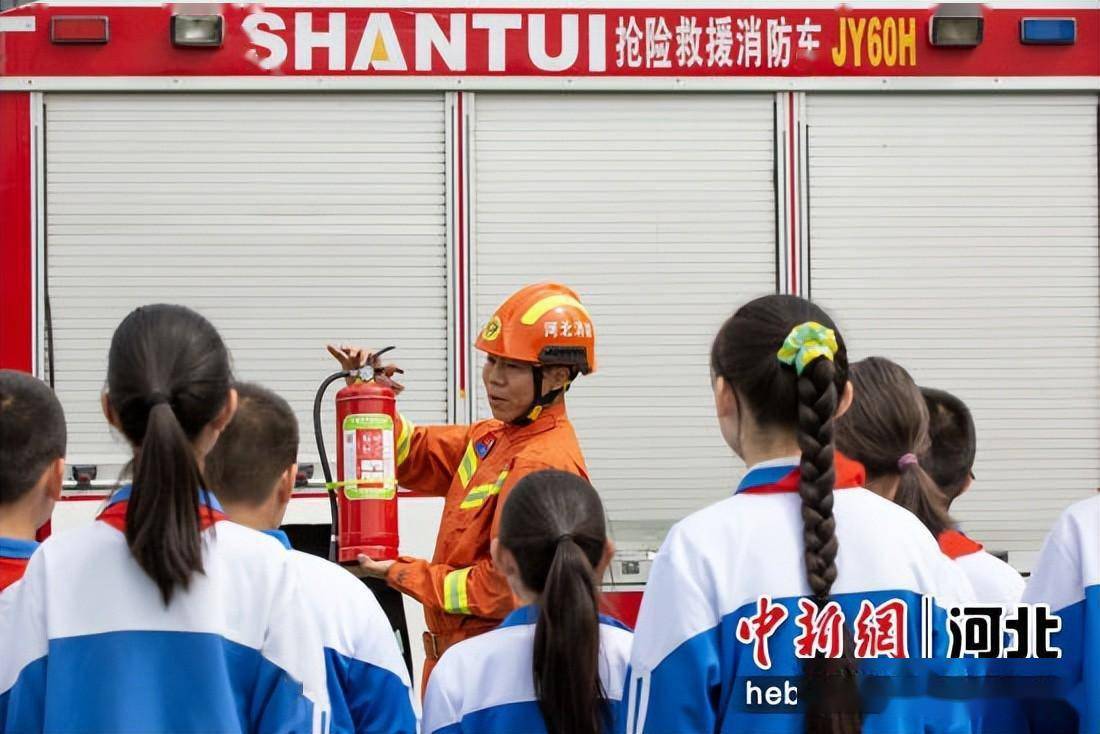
(184,609)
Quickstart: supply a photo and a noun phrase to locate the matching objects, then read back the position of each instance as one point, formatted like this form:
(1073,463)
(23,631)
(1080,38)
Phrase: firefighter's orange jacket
(473,467)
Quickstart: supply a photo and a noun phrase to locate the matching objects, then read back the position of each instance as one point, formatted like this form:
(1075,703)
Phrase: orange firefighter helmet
(544,324)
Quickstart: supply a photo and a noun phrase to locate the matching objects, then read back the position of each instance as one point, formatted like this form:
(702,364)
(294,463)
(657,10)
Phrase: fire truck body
(305,174)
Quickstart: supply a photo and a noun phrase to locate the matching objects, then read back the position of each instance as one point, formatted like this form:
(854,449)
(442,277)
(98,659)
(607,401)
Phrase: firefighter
(535,344)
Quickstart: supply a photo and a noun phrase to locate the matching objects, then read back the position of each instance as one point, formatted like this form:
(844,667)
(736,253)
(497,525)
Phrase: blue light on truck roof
(1048,31)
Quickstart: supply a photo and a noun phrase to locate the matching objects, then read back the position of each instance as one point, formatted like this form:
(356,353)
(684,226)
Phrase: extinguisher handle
(374,357)
(371,362)
(382,374)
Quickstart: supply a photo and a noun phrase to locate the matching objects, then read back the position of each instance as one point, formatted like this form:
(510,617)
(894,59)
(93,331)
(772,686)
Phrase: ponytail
(162,515)
(886,429)
(832,703)
(553,523)
(567,646)
(918,493)
(168,377)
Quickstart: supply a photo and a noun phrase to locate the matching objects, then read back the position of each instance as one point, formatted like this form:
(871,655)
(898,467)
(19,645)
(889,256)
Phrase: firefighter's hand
(354,358)
(368,567)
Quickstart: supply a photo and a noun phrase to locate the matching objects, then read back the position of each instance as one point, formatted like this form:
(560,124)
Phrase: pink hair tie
(906,461)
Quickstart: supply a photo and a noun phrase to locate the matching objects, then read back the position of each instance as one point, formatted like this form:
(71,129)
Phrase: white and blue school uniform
(993,580)
(1066,577)
(690,673)
(485,685)
(368,684)
(15,554)
(91,646)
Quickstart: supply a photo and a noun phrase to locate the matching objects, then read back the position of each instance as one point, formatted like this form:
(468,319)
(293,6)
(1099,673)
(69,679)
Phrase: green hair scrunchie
(807,342)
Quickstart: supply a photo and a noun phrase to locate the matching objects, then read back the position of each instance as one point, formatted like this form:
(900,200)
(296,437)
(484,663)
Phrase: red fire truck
(304,173)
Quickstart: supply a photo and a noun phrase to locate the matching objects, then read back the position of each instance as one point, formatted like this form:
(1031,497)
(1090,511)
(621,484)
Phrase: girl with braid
(795,605)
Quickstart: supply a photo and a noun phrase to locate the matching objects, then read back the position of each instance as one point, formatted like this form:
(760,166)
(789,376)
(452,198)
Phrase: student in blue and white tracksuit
(32,442)
(161,616)
(921,464)
(949,460)
(798,533)
(555,665)
(1066,576)
(252,470)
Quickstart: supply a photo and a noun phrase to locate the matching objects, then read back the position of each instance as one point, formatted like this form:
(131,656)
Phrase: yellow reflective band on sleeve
(468,466)
(539,310)
(455,600)
(404,440)
(477,496)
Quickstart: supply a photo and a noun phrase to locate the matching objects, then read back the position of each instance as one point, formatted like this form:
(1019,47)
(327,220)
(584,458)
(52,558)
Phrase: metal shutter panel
(287,220)
(659,211)
(957,235)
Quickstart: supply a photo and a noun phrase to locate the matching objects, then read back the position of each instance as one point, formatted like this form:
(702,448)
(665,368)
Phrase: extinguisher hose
(334,511)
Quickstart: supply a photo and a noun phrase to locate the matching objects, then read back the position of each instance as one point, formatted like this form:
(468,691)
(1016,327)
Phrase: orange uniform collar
(547,419)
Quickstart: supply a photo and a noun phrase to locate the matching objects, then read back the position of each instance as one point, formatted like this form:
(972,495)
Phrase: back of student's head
(950,457)
(553,524)
(886,430)
(168,378)
(32,433)
(787,364)
(255,449)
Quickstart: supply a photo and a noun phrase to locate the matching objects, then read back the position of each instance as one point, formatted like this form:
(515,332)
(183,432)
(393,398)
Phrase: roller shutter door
(287,220)
(659,211)
(957,235)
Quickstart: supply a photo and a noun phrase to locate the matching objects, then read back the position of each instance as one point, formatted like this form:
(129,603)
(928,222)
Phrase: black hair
(949,459)
(745,355)
(553,523)
(168,377)
(888,420)
(32,433)
(257,446)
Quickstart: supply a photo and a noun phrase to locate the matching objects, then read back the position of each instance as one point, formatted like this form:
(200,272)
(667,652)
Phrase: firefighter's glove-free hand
(351,357)
(370,568)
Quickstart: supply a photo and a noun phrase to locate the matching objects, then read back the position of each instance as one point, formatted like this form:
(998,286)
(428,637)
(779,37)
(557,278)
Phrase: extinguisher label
(369,457)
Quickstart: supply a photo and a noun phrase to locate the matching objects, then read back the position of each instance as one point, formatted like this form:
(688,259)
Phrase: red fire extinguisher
(363,499)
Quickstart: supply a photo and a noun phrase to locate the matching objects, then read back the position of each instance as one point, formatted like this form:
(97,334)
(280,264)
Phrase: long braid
(833,693)
(817,401)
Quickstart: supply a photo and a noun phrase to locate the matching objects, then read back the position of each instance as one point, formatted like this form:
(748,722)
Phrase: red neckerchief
(777,479)
(115,515)
(11,570)
(954,544)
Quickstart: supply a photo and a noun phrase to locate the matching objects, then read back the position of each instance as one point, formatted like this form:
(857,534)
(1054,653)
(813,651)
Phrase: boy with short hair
(251,470)
(950,461)
(32,443)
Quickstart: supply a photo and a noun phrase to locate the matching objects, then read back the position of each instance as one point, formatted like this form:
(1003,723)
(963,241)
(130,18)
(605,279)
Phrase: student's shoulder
(862,511)
(237,541)
(480,651)
(1069,561)
(729,521)
(97,532)
(616,636)
(861,501)
(1079,524)
(994,581)
(986,562)
(325,577)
